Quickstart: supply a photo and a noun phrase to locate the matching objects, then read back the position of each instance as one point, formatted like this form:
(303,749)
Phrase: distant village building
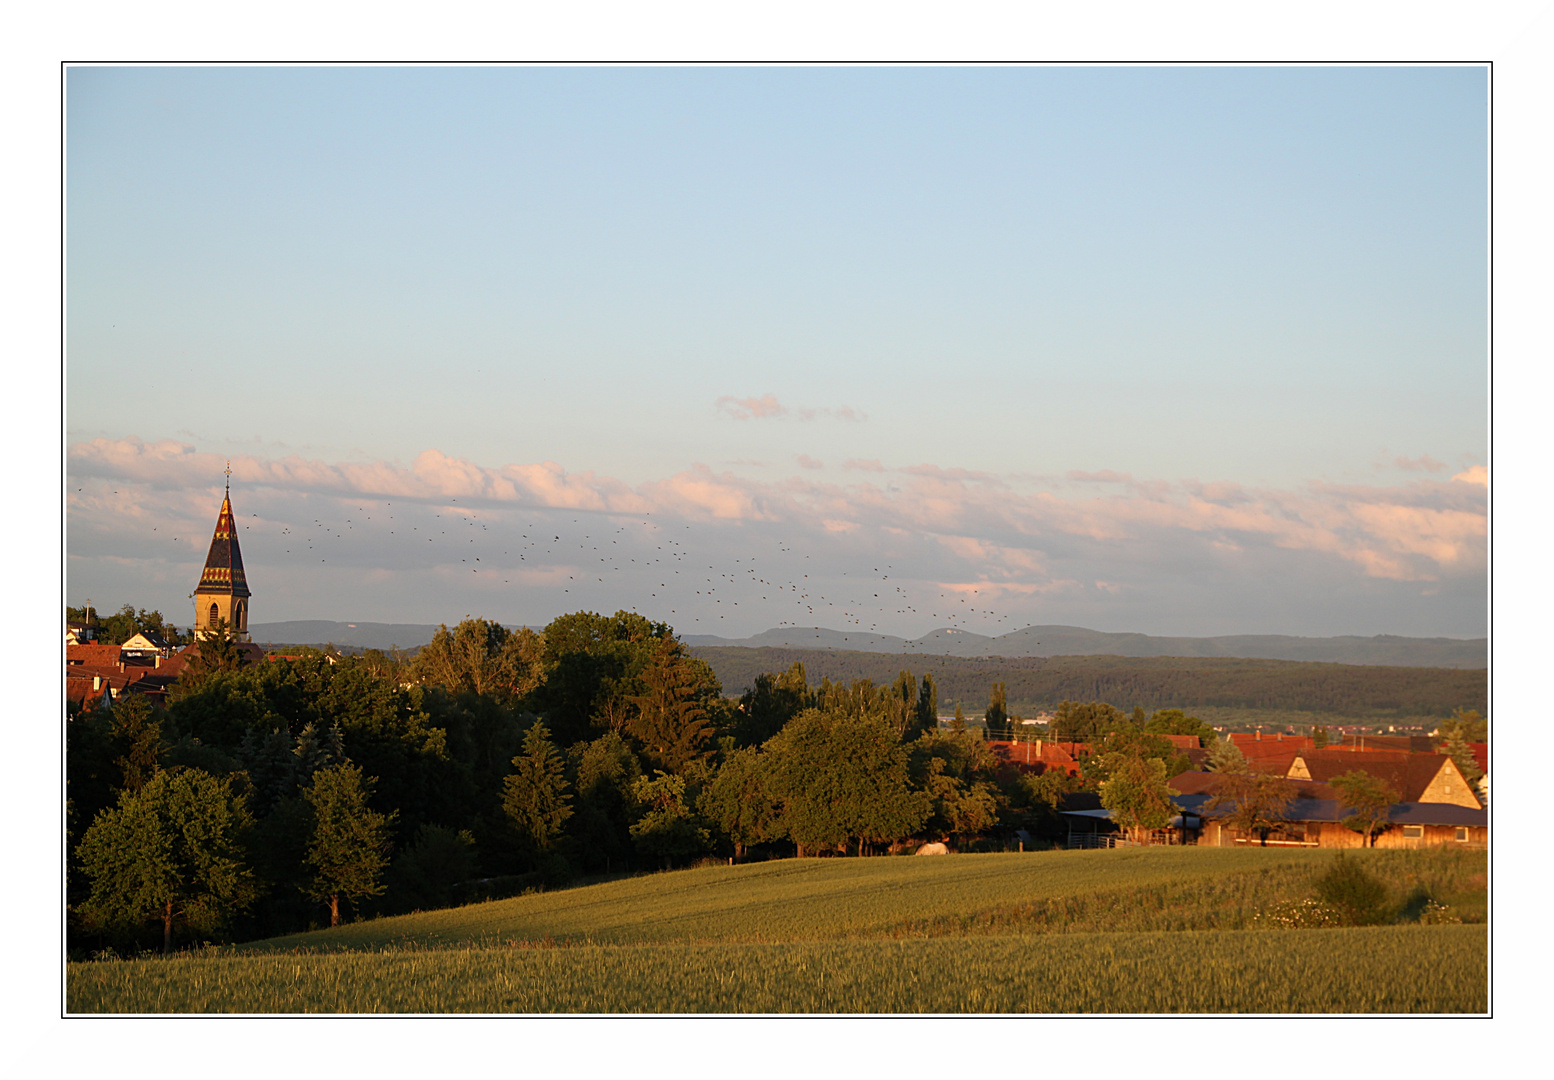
(222,594)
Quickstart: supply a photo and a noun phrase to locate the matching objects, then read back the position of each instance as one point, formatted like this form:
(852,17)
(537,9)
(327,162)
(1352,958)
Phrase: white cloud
(1029,545)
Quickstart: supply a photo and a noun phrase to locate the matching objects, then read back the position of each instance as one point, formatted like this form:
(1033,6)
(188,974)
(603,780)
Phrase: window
(1462,834)
(237,616)
(1413,832)
(215,615)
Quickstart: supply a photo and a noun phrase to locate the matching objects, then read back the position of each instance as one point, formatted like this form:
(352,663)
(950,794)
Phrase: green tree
(1226,757)
(670,721)
(481,657)
(669,827)
(604,772)
(1137,795)
(901,705)
(739,800)
(109,751)
(958,725)
(350,842)
(137,730)
(997,714)
(1080,722)
(424,873)
(534,797)
(1096,766)
(119,628)
(927,706)
(1177,722)
(215,652)
(956,771)
(770,703)
(1256,803)
(1032,800)
(169,851)
(842,778)
(1455,746)
(1469,723)
(593,663)
(1369,801)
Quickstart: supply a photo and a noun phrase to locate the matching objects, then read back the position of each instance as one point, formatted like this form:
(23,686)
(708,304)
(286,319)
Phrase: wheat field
(1125,931)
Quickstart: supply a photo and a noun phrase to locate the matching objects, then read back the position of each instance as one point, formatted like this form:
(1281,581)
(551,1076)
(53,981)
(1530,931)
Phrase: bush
(1298,915)
(1360,897)
(423,875)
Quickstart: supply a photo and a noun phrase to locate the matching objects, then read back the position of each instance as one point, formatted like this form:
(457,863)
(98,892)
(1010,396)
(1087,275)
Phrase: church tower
(223,589)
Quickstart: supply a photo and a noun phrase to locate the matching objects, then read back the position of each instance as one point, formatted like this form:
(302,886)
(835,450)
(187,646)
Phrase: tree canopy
(843,778)
(1256,803)
(350,842)
(481,657)
(169,851)
(1368,799)
(1136,793)
(671,721)
(535,797)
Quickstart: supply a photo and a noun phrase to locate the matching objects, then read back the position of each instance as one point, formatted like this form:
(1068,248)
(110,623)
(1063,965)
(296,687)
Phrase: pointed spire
(224,563)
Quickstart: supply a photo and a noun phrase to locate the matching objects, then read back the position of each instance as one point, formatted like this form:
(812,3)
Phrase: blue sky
(1178,350)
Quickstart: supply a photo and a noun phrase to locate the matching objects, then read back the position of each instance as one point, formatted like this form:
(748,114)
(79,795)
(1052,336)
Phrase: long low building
(1313,817)
(1313,822)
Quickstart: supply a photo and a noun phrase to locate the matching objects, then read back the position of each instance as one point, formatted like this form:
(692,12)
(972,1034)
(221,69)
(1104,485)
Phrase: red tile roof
(91,654)
(1036,756)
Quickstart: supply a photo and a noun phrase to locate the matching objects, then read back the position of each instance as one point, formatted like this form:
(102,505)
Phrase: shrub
(423,875)
(1298,915)
(1359,896)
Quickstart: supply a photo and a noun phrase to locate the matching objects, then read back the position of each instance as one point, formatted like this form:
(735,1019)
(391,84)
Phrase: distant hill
(1386,649)
(357,635)
(1222,683)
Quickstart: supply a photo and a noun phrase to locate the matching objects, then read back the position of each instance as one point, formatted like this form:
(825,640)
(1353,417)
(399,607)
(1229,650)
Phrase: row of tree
(264,798)
(124,624)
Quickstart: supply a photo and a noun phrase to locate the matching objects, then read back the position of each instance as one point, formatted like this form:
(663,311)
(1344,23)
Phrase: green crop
(1130,930)
(1433,969)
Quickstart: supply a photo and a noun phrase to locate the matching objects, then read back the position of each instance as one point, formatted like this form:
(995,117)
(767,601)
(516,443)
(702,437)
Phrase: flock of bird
(682,574)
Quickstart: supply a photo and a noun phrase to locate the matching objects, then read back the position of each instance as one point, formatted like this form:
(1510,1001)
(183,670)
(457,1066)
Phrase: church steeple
(223,589)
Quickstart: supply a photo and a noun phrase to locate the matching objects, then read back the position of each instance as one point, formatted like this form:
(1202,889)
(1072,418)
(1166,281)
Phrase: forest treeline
(267,797)
(1041,683)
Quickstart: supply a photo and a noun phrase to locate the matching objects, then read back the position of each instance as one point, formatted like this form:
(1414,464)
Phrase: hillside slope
(1349,690)
(1386,649)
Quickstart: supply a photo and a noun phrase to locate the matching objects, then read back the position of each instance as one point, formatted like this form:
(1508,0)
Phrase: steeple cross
(229,478)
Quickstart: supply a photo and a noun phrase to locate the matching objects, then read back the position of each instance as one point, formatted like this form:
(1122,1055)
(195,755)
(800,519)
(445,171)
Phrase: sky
(1174,350)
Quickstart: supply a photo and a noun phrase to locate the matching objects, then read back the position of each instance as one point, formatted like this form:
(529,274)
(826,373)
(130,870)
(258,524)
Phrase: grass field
(1130,930)
(1374,969)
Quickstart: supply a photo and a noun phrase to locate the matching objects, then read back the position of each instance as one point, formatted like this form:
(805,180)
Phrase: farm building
(1319,823)
(1313,817)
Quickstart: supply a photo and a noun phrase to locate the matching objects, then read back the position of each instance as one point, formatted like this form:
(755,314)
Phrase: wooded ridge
(1151,682)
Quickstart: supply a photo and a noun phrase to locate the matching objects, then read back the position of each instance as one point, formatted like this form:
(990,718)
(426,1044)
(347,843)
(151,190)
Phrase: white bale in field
(933,849)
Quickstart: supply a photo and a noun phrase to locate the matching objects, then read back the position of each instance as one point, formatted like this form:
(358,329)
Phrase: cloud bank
(1197,547)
